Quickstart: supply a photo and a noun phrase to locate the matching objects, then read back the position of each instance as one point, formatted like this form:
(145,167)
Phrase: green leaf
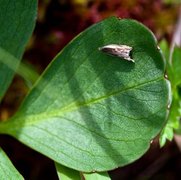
(165,49)
(176,67)
(94,112)
(65,173)
(23,70)
(97,176)
(166,134)
(17,19)
(174,74)
(7,170)
(172,123)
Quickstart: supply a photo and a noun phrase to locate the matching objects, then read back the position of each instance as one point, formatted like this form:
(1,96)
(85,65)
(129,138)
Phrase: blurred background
(58,22)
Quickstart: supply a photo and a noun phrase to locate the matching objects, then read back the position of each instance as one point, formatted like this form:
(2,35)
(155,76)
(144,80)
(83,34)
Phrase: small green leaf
(165,49)
(17,19)
(7,170)
(166,134)
(176,67)
(174,73)
(96,176)
(95,112)
(65,173)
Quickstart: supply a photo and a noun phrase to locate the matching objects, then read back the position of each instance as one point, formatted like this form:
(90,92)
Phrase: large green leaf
(95,112)
(17,19)
(7,170)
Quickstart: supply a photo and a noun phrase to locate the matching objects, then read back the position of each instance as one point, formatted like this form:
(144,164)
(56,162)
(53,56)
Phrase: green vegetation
(90,112)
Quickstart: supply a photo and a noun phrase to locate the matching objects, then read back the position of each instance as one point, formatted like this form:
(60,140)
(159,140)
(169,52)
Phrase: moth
(122,51)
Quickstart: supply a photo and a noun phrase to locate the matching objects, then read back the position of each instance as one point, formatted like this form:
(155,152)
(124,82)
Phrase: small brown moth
(122,51)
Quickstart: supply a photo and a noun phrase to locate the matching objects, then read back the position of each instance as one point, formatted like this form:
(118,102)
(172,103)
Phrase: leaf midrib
(72,107)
